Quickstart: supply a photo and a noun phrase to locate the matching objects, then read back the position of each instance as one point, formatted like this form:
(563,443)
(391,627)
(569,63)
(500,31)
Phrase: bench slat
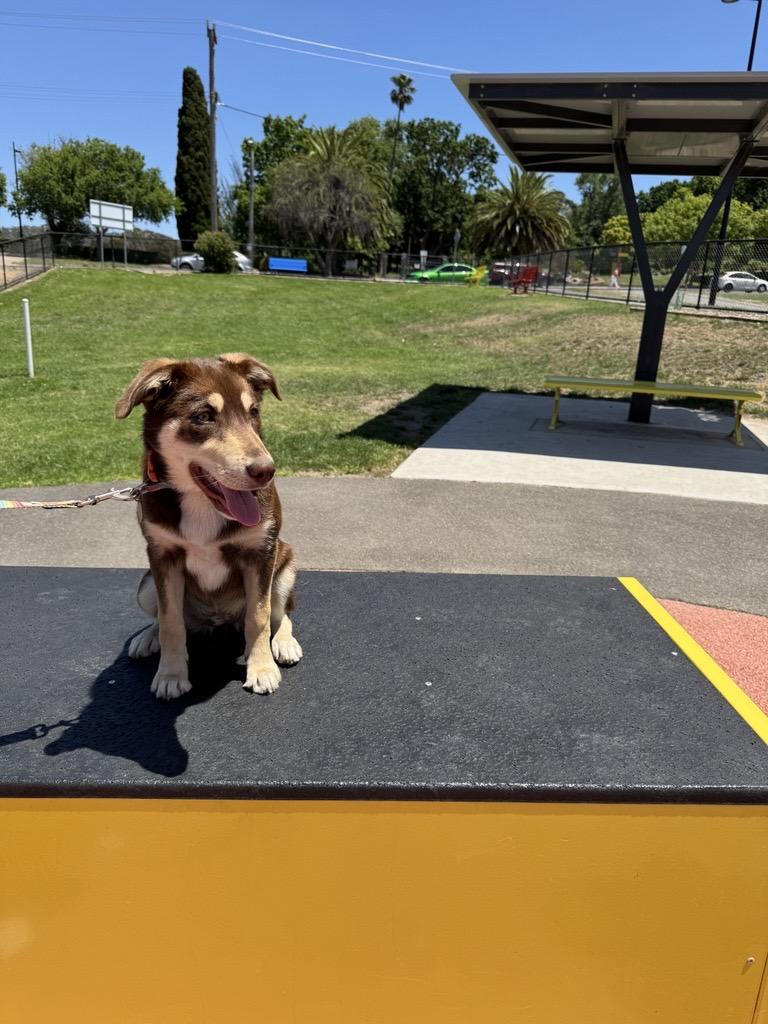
(644,387)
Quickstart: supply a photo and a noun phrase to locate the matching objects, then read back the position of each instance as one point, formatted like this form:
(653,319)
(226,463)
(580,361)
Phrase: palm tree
(402,96)
(521,217)
(333,194)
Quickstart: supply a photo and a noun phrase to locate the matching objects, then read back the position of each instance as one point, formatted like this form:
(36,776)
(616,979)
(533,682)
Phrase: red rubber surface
(736,640)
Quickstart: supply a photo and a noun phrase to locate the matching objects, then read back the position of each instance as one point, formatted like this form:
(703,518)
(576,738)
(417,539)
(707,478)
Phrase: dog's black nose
(261,472)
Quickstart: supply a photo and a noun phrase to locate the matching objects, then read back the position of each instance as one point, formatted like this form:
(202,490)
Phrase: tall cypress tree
(193,159)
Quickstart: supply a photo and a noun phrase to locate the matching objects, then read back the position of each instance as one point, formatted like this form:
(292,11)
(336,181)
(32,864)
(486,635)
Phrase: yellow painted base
(200,912)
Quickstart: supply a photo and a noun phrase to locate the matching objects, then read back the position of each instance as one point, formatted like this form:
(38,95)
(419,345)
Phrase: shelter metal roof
(672,123)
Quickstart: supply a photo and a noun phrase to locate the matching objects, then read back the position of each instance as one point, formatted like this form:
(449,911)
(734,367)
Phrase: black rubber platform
(412,686)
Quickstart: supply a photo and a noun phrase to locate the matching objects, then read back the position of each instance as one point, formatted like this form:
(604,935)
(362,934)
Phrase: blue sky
(89,68)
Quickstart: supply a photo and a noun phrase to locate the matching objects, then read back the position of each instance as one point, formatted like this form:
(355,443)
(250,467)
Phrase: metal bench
(649,387)
(294,266)
(525,277)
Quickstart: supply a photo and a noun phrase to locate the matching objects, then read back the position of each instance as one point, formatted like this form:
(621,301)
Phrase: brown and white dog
(213,535)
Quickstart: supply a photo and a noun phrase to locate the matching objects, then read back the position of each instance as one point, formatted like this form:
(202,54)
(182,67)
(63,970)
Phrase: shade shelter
(661,123)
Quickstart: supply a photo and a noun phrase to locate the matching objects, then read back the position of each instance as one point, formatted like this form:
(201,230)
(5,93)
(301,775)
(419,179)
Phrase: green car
(445,272)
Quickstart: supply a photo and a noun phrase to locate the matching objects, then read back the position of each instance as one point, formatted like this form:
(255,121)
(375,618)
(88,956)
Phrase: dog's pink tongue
(242,506)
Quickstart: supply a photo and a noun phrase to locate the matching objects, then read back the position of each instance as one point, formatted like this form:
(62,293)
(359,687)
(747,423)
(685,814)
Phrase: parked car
(192,261)
(741,281)
(445,272)
(500,273)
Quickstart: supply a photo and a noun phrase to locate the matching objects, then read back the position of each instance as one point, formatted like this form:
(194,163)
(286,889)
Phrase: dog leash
(122,493)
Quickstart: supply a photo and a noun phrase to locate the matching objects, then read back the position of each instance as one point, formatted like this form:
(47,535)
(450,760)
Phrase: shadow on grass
(684,426)
(412,421)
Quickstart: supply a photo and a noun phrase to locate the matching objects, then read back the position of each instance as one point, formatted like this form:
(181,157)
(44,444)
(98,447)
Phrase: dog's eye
(203,416)
(253,412)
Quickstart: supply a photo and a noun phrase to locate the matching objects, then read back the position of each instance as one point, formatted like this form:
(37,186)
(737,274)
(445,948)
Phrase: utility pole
(18,209)
(211,32)
(250,144)
(16,184)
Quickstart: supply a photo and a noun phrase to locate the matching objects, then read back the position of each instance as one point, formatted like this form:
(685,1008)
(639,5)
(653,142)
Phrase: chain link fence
(346,263)
(152,250)
(24,258)
(729,276)
(726,277)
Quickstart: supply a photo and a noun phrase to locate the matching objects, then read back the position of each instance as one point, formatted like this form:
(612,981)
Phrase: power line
(85,28)
(99,17)
(240,109)
(109,100)
(345,49)
(232,150)
(85,91)
(328,56)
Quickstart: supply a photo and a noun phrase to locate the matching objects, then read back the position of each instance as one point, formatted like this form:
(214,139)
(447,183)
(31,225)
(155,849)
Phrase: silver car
(741,281)
(193,262)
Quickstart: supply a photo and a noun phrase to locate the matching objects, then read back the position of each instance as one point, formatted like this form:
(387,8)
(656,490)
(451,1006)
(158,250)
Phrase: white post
(28,337)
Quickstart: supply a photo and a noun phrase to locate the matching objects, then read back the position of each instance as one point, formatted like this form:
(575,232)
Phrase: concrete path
(704,552)
(684,453)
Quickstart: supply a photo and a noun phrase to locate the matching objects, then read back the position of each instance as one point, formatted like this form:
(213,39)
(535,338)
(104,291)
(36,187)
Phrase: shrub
(216,249)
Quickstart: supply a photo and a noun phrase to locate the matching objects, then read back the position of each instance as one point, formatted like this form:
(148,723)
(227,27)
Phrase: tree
(601,199)
(437,181)
(332,196)
(679,217)
(616,231)
(283,138)
(402,96)
(657,195)
(57,182)
(193,159)
(752,191)
(3,186)
(522,217)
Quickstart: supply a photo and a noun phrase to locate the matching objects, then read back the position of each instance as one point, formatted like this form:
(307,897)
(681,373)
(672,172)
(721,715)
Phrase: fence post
(24,253)
(631,278)
(565,272)
(549,272)
(5,279)
(52,253)
(589,275)
(41,239)
(716,268)
(28,337)
(703,275)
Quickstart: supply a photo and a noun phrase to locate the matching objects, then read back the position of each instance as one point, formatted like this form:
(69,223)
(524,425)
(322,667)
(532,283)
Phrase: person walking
(615,278)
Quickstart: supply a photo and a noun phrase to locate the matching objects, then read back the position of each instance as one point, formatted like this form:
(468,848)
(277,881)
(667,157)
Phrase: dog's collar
(151,471)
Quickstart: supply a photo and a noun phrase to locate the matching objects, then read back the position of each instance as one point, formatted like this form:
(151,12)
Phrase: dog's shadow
(124,719)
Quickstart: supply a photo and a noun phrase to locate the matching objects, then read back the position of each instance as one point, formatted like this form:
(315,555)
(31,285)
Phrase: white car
(741,281)
(192,261)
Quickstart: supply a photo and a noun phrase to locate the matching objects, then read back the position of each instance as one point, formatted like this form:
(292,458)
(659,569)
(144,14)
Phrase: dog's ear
(257,374)
(146,385)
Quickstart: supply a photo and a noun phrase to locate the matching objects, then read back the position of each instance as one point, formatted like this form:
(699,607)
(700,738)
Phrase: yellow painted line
(756,719)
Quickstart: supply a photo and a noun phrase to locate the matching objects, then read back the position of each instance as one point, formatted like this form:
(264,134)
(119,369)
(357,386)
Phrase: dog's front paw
(169,685)
(286,652)
(145,643)
(263,680)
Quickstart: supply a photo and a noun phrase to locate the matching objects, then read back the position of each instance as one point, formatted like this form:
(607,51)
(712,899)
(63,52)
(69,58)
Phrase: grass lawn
(367,371)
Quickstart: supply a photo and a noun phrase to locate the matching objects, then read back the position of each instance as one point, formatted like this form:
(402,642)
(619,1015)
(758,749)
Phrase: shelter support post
(657,299)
